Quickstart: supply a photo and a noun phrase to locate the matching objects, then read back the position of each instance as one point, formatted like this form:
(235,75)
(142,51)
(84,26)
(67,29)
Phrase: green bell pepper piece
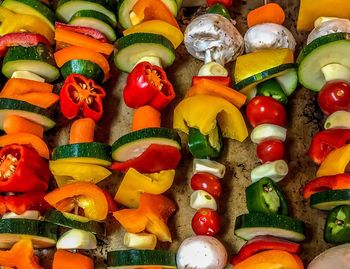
(273,89)
(219,9)
(266,197)
(205,146)
(337,229)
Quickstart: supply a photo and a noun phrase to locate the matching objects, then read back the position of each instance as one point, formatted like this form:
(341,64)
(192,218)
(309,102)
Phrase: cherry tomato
(226,3)
(264,109)
(334,96)
(206,182)
(270,150)
(206,222)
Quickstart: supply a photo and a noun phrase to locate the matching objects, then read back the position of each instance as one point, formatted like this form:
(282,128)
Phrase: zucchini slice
(253,224)
(94,153)
(132,48)
(96,20)
(67,8)
(28,111)
(71,221)
(83,67)
(265,75)
(38,59)
(288,81)
(133,144)
(43,234)
(327,200)
(140,259)
(323,51)
(31,7)
(126,6)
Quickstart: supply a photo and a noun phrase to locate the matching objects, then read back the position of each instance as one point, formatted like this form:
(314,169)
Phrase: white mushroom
(201,252)
(337,257)
(268,36)
(212,37)
(329,26)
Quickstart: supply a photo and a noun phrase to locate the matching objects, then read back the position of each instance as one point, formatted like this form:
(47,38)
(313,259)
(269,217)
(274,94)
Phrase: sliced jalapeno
(273,89)
(337,228)
(266,197)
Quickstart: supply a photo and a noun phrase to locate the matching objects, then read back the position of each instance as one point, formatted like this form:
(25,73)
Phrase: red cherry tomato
(334,96)
(206,222)
(226,3)
(270,150)
(206,182)
(264,109)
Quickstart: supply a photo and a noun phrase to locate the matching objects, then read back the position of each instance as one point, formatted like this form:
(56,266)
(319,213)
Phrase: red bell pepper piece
(325,141)
(226,81)
(21,39)
(226,3)
(336,182)
(262,243)
(23,170)
(112,204)
(154,159)
(20,203)
(80,94)
(82,30)
(148,84)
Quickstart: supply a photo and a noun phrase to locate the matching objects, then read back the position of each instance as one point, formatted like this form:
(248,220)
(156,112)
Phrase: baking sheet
(240,158)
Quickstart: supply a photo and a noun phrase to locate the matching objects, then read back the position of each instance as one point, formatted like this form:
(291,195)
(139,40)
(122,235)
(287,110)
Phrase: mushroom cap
(212,37)
(268,36)
(329,27)
(337,257)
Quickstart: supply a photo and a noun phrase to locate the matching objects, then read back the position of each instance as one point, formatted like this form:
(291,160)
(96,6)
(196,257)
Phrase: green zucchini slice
(28,111)
(323,51)
(67,8)
(265,75)
(83,67)
(96,20)
(327,200)
(135,143)
(253,224)
(140,259)
(38,59)
(43,234)
(94,153)
(56,217)
(134,47)
(31,7)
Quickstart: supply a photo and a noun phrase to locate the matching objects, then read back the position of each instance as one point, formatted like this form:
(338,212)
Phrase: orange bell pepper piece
(271,259)
(64,259)
(85,195)
(336,162)
(15,124)
(73,52)
(20,256)
(19,86)
(146,10)
(152,215)
(210,87)
(26,139)
(80,40)
(43,100)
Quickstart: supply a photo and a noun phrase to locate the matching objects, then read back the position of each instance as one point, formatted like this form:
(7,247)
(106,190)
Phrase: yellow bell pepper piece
(11,23)
(254,63)
(67,172)
(311,10)
(172,33)
(205,111)
(135,183)
(335,162)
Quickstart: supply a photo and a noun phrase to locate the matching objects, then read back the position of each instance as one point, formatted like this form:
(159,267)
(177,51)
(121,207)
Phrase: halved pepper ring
(79,93)
(82,195)
(148,84)
(22,170)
